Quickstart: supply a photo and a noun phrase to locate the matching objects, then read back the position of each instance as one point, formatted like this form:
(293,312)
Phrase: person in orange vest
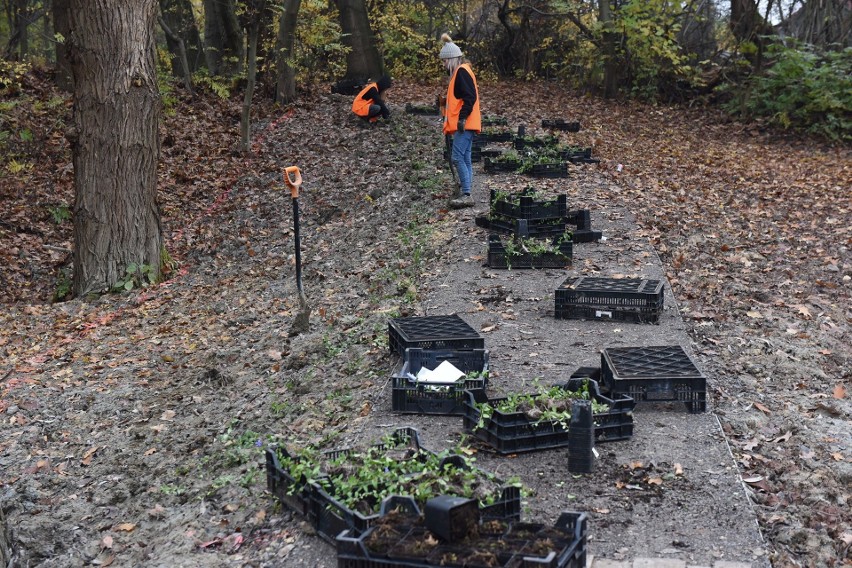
(462,119)
(370,104)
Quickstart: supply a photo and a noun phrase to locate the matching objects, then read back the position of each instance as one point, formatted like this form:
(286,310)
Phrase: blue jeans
(462,147)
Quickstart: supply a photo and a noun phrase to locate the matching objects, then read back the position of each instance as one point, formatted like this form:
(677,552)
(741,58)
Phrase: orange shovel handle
(293,179)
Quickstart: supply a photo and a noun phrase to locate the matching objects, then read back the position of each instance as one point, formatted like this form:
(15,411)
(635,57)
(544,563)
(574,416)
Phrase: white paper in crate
(446,372)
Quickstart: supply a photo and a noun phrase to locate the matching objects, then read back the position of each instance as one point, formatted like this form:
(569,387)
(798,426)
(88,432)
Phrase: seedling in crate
(551,404)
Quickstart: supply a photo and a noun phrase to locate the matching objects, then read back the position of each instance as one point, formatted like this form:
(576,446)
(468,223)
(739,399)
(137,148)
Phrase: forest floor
(134,425)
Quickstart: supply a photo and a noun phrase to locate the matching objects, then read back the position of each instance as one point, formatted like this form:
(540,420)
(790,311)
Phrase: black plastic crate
(329,516)
(432,332)
(567,539)
(491,152)
(580,218)
(491,165)
(411,108)
(494,121)
(549,170)
(523,205)
(499,257)
(619,299)
(522,142)
(498,136)
(575,153)
(654,374)
(437,398)
(560,124)
(586,236)
(514,432)
(551,227)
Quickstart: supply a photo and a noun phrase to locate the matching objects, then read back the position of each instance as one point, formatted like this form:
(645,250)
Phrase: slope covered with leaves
(753,229)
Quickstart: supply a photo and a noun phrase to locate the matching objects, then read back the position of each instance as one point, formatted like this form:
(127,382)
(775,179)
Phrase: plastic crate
(330,517)
(498,257)
(576,153)
(619,299)
(560,124)
(585,236)
(551,227)
(567,537)
(514,432)
(580,218)
(421,109)
(437,398)
(523,206)
(654,374)
(491,165)
(549,170)
(521,142)
(494,121)
(432,332)
(491,152)
(503,136)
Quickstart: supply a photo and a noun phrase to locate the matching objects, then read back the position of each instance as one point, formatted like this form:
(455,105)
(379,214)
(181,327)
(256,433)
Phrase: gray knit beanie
(450,50)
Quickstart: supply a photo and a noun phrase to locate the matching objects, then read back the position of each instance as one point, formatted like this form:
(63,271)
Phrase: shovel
(293,179)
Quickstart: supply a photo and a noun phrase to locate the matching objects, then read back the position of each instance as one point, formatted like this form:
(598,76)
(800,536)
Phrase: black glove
(461,125)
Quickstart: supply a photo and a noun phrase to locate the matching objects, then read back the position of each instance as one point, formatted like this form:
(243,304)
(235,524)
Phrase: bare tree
(62,29)
(114,141)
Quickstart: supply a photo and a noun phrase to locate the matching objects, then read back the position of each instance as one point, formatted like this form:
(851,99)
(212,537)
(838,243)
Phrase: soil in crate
(562,545)
(539,421)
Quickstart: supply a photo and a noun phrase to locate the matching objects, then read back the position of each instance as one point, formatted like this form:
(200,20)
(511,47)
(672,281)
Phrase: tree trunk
(245,120)
(114,141)
(180,61)
(286,91)
(223,38)
(62,27)
(177,14)
(364,60)
(609,45)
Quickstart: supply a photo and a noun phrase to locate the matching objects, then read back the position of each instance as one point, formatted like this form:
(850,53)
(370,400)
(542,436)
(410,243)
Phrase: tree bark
(253,30)
(180,61)
(609,46)
(114,140)
(177,15)
(286,83)
(223,38)
(364,60)
(62,27)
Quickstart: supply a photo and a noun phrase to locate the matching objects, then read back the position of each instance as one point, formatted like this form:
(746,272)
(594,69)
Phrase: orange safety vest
(454,106)
(361,106)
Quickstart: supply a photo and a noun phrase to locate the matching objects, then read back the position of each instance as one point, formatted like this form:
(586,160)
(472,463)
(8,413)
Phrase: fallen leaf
(839,391)
(106,542)
(655,481)
(150,451)
(678,469)
(488,328)
(805,311)
(168,416)
(126,527)
(635,465)
(601,511)
(751,445)
(762,408)
(87,457)
(366,408)
(837,456)
(784,437)
(753,314)
(753,479)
